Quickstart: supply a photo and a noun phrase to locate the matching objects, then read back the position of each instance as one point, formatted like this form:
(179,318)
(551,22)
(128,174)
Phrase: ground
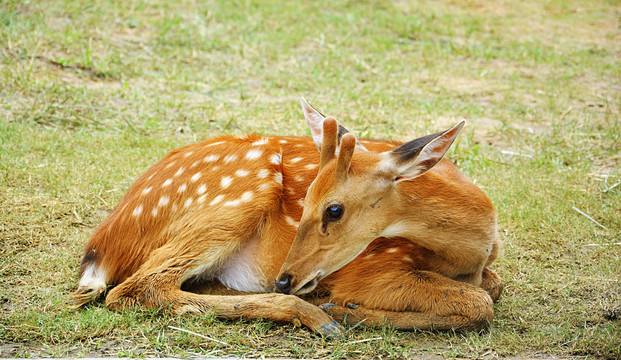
(93,93)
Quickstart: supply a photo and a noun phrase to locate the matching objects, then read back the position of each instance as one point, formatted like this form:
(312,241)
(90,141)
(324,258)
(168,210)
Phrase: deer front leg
(153,287)
(492,283)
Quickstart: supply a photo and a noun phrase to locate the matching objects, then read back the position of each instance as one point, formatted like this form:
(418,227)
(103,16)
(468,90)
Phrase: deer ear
(414,158)
(315,121)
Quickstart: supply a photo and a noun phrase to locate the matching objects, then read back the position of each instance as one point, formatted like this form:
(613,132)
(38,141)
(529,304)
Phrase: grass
(93,93)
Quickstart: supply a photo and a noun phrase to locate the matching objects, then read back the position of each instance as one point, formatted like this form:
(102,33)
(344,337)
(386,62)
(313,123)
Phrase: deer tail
(92,283)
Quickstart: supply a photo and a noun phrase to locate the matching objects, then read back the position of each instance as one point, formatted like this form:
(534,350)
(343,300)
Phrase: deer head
(356,197)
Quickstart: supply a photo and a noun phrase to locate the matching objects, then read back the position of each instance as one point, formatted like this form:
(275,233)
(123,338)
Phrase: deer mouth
(310,285)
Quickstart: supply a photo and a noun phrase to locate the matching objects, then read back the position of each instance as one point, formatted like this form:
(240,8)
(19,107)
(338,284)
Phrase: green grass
(93,93)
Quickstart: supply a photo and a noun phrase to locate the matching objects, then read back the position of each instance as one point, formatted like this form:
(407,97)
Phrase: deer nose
(283,284)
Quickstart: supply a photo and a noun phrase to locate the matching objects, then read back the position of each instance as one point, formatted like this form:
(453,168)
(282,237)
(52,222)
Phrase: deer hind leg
(390,282)
(410,299)
(157,284)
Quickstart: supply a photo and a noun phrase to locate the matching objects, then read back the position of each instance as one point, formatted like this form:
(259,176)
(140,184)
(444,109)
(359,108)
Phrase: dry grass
(91,94)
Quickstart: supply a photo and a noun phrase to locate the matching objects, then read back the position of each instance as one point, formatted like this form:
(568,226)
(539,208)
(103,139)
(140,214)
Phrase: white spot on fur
(180,171)
(167,182)
(154,211)
(311,166)
(242,173)
(170,164)
(137,210)
(392,250)
(291,222)
(275,159)
(188,153)
(187,203)
(201,189)
(226,181)
(182,188)
(263,187)
(195,177)
(215,168)
(152,175)
(261,141)
(408,259)
(201,199)
(301,202)
(296,160)
(216,143)
(216,200)
(253,154)
(278,177)
(283,141)
(163,201)
(247,196)
(299,178)
(263,173)
(147,190)
(194,164)
(211,158)
(229,158)
(232,203)
(369,256)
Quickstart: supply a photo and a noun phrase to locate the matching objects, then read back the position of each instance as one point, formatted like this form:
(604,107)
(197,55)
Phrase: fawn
(238,226)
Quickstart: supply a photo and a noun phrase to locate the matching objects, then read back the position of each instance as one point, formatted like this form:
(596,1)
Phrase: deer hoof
(327,307)
(331,330)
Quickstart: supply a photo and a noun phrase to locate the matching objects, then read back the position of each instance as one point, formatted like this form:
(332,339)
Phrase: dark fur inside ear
(342,131)
(411,149)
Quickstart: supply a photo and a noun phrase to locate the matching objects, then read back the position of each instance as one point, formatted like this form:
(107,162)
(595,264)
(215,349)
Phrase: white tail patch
(93,278)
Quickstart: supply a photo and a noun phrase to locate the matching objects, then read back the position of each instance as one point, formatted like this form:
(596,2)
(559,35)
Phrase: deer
(316,231)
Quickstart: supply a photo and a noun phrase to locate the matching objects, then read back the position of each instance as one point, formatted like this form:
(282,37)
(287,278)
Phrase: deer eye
(334,212)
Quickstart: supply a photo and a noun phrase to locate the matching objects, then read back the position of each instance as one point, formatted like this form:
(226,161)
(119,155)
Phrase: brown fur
(151,259)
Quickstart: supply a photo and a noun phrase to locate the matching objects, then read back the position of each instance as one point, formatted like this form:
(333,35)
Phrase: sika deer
(389,227)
